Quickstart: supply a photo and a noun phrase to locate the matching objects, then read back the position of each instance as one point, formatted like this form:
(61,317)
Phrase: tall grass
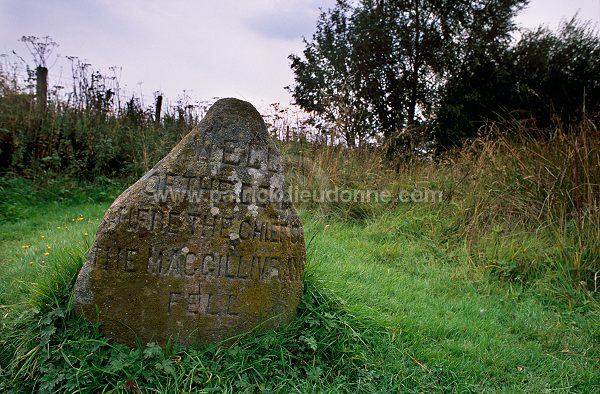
(320,168)
(535,199)
(389,307)
(88,132)
(524,205)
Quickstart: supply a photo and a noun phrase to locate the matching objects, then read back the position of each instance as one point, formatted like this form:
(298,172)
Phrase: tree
(558,74)
(388,60)
(543,76)
(324,78)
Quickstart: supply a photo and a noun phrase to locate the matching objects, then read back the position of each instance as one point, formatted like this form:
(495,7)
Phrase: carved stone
(203,247)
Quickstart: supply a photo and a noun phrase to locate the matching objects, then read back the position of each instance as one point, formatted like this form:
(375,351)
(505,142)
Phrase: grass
(42,223)
(494,289)
(523,207)
(466,330)
(392,304)
(45,348)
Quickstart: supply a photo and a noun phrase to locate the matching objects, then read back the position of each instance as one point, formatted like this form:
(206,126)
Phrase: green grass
(465,330)
(392,305)
(41,224)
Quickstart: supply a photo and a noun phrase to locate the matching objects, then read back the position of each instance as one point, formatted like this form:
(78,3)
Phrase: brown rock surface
(204,246)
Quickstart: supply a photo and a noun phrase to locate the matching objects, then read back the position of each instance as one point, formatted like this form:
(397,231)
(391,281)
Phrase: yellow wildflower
(25,246)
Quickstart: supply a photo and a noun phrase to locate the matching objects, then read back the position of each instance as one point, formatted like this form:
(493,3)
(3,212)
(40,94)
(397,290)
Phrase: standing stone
(203,247)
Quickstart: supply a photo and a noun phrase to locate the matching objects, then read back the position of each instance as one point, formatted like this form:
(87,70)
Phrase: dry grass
(525,205)
(542,196)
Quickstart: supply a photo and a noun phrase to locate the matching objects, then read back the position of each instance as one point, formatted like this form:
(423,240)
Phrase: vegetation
(423,76)
(395,300)
(492,287)
(524,209)
(45,348)
(91,131)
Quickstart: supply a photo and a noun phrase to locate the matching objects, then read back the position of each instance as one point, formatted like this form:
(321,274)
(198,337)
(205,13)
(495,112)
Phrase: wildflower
(46,253)
(79,219)
(43,236)
(86,234)
(48,247)
(25,246)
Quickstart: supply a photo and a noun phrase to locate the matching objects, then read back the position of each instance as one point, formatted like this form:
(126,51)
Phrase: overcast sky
(210,48)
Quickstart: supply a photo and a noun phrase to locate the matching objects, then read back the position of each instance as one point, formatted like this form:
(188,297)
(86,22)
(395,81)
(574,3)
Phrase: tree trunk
(414,89)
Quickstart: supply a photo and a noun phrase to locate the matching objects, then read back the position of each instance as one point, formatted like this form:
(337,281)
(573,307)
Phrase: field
(460,251)
(468,294)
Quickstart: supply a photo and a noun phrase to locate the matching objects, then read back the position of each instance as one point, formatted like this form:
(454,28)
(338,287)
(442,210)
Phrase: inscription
(114,258)
(269,232)
(204,303)
(177,188)
(180,188)
(239,154)
(182,262)
(232,152)
(207,225)
(185,264)
(153,220)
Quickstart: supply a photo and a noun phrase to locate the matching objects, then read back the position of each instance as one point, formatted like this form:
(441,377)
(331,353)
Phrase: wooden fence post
(41,88)
(159,100)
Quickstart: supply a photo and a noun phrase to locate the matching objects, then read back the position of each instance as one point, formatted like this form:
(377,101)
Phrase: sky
(207,48)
